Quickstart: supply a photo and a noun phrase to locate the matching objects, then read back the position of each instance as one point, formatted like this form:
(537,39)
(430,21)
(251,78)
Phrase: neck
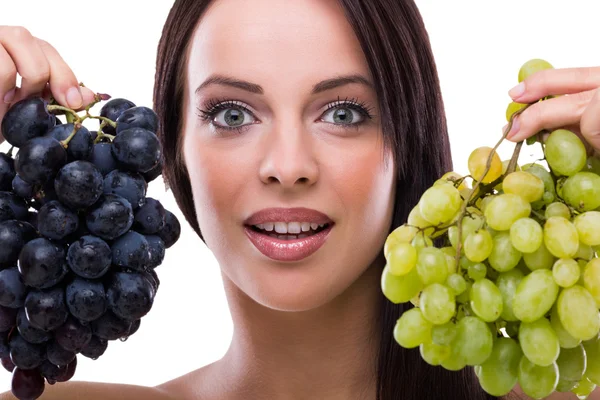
(326,353)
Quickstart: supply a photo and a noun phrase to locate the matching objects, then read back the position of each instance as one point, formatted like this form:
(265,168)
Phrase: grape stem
(472,197)
(65,142)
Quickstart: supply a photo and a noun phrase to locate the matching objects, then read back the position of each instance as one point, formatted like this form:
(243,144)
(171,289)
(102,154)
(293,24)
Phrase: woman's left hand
(577,107)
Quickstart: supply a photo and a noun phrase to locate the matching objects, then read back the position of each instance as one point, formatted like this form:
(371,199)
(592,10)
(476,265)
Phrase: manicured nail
(9,96)
(517,91)
(74,98)
(514,129)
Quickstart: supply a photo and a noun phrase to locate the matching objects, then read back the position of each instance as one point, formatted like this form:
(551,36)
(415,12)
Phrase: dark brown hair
(396,46)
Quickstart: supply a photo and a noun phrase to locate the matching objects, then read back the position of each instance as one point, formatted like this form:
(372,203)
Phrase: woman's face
(299,139)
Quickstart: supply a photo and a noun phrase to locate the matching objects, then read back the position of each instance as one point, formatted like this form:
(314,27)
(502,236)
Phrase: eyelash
(214,106)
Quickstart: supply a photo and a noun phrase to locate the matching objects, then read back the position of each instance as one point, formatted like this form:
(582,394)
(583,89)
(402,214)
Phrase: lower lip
(287,250)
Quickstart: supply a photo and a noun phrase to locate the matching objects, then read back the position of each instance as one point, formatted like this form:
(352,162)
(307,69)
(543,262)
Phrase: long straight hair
(397,48)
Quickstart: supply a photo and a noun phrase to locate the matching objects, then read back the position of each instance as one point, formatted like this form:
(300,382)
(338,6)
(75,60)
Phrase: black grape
(26,355)
(130,295)
(80,146)
(40,159)
(25,120)
(110,217)
(156,247)
(7,171)
(78,184)
(29,332)
(110,327)
(136,149)
(171,231)
(150,217)
(12,207)
(103,159)
(129,185)
(13,236)
(58,355)
(112,110)
(95,348)
(55,221)
(27,383)
(8,318)
(41,262)
(72,335)
(46,309)
(131,251)
(137,117)
(86,299)
(89,257)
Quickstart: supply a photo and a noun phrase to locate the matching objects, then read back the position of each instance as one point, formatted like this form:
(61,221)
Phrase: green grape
(498,374)
(402,234)
(455,362)
(539,259)
(513,108)
(486,200)
(421,241)
(478,245)
(535,295)
(560,237)
(592,352)
(453,177)
(415,219)
(443,334)
(539,342)
(478,161)
(465,297)
(400,289)
(582,264)
(431,265)
(531,67)
(547,198)
(473,341)
(505,209)
(412,329)
(578,312)
(526,235)
(584,252)
(486,300)
(437,303)
(565,152)
(457,283)
(557,209)
(507,283)
(537,381)
(588,227)
(584,388)
(402,259)
(582,191)
(439,204)
(565,272)
(591,279)
(504,255)
(571,366)
(434,354)
(548,180)
(470,224)
(477,271)
(564,338)
(524,184)
(450,253)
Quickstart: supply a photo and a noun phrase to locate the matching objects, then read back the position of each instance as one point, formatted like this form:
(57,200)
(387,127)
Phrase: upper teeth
(289,227)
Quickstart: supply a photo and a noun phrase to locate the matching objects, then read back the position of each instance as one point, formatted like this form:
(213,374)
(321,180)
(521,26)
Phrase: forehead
(307,38)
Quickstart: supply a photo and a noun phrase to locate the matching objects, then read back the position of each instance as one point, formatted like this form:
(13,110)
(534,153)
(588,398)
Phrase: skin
(305,329)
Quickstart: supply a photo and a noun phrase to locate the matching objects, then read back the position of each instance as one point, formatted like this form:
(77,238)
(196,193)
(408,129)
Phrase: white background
(479,48)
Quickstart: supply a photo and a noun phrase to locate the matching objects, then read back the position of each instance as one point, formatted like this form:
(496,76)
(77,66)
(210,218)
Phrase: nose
(289,158)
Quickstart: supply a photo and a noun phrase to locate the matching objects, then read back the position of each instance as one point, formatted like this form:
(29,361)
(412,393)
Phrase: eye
(227,115)
(344,115)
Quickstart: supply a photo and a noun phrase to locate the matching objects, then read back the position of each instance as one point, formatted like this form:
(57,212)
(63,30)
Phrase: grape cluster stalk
(502,268)
(79,239)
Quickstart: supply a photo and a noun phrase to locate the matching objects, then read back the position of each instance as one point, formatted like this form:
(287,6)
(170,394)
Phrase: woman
(269,111)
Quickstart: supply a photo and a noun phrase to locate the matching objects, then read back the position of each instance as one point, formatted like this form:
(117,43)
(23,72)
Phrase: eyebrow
(327,84)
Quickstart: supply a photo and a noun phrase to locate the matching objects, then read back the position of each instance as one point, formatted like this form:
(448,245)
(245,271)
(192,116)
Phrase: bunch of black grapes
(79,239)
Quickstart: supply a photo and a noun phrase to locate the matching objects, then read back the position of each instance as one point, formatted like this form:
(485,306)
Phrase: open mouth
(291,231)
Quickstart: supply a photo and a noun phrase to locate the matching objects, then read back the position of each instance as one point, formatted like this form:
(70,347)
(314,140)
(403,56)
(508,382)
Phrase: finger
(549,114)
(63,83)
(556,82)
(590,121)
(29,59)
(8,79)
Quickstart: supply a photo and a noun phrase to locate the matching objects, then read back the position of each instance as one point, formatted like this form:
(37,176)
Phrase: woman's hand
(577,107)
(41,69)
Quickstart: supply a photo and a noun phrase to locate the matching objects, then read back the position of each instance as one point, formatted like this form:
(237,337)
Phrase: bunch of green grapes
(504,273)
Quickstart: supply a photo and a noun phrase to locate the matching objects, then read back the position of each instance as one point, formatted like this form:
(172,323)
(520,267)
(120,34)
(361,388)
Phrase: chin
(290,289)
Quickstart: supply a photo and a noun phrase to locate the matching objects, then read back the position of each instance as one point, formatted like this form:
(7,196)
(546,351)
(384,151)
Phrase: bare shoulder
(98,391)
(203,383)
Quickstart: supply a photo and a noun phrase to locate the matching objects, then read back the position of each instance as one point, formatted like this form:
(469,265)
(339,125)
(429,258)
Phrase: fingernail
(517,91)
(9,96)
(514,128)
(74,98)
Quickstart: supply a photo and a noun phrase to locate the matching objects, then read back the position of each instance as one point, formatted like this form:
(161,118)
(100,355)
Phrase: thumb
(590,122)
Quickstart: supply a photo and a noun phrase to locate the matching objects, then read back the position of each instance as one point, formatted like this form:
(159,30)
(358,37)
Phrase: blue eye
(346,114)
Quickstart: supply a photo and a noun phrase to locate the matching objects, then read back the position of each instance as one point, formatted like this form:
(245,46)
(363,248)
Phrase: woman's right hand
(40,67)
